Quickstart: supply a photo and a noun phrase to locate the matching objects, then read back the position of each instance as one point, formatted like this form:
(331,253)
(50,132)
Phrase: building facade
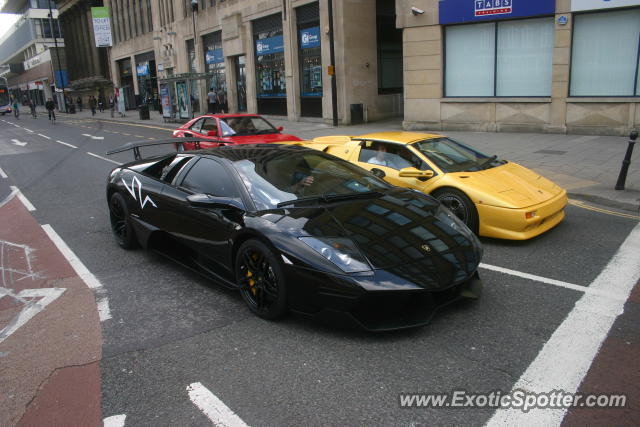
(493,65)
(34,69)
(271,57)
(88,64)
(561,66)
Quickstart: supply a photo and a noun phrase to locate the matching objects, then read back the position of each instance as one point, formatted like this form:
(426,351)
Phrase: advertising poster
(166,101)
(101,26)
(183,100)
(120,97)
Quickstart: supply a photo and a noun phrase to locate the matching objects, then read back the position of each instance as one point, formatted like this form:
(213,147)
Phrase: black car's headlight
(340,251)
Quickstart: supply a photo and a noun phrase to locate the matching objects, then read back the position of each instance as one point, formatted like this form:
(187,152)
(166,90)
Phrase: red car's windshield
(245,125)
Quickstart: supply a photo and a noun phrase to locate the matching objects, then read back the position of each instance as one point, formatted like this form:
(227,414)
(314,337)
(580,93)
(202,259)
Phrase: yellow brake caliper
(250,274)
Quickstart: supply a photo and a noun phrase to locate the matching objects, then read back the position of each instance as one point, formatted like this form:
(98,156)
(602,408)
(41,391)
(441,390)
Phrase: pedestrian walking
(32,107)
(101,103)
(50,106)
(112,105)
(16,109)
(211,100)
(92,104)
(221,100)
(79,103)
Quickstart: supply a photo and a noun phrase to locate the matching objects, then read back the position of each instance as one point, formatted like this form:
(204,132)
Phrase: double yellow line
(583,205)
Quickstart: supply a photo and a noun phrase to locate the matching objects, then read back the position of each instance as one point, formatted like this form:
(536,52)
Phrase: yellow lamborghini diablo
(494,197)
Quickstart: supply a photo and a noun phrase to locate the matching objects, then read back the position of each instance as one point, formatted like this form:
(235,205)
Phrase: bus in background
(5,99)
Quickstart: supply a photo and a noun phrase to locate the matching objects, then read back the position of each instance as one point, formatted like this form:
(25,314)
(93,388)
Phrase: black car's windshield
(454,156)
(288,176)
(245,125)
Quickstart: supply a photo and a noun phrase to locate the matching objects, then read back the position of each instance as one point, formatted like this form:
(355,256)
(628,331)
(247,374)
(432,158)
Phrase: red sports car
(230,129)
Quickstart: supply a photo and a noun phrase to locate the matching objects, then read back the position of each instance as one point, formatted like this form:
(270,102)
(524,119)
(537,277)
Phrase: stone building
(497,65)
(88,65)
(513,65)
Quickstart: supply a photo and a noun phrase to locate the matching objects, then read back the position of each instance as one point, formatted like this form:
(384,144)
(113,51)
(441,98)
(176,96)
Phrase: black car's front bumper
(371,302)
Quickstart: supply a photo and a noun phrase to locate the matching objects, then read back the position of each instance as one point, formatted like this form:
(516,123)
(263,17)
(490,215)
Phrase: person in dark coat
(50,106)
(92,104)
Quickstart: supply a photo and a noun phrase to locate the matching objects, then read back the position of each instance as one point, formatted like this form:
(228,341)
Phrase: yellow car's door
(389,158)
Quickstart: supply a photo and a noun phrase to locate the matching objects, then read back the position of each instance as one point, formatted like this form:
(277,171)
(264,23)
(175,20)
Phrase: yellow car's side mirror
(415,173)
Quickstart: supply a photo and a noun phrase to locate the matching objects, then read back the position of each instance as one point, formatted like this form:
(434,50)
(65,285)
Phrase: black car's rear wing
(135,145)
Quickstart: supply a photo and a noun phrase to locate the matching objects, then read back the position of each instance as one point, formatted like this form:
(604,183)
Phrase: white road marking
(93,137)
(114,421)
(584,289)
(16,142)
(7,199)
(66,143)
(44,136)
(213,407)
(566,358)
(28,130)
(83,272)
(2,174)
(27,204)
(32,306)
(104,158)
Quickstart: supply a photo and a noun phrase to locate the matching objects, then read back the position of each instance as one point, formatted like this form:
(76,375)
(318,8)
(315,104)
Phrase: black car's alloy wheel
(120,224)
(260,279)
(459,204)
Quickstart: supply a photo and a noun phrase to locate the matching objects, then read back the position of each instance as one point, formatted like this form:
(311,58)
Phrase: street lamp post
(55,42)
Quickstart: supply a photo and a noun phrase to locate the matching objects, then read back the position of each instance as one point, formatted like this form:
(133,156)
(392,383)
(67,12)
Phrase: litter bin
(144,112)
(357,114)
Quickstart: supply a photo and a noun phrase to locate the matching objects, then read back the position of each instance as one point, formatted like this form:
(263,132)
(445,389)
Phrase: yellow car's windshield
(454,156)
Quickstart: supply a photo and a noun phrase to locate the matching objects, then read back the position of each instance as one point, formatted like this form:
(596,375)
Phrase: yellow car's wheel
(458,203)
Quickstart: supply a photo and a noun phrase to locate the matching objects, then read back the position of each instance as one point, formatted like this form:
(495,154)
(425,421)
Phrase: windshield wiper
(327,198)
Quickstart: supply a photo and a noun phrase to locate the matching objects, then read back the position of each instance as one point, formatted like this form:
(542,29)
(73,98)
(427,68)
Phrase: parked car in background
(228,129)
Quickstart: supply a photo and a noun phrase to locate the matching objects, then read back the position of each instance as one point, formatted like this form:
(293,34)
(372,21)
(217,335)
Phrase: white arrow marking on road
(32,307)
(213,407)
(93,137)
(16,142)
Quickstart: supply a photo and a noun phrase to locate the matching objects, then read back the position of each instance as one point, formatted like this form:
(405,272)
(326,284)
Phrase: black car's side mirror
(378,173)
(213,202)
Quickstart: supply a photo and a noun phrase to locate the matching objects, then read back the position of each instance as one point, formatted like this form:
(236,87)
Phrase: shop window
(509,58)
(606,54)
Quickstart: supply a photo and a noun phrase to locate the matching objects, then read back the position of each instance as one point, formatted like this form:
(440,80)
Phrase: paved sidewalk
(587,166)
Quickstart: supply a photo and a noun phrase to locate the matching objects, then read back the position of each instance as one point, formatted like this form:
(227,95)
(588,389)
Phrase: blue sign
(459,11)
(270,45)
(143,69)
(214,56)
(62,79)
(309,38)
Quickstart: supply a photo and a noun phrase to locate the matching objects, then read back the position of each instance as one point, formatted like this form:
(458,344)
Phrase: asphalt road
(170,328)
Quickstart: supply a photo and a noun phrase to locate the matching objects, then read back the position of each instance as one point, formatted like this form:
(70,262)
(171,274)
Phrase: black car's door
(205,230)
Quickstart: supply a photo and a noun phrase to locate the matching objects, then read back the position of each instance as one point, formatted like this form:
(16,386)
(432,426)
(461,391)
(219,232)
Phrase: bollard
(627,161)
